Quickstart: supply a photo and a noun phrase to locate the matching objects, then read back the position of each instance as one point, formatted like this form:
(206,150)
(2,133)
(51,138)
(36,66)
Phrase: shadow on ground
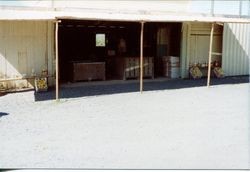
(2,94)
(95,90)
(3,114)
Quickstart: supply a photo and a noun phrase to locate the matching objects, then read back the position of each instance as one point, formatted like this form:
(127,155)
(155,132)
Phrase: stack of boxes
(171,66)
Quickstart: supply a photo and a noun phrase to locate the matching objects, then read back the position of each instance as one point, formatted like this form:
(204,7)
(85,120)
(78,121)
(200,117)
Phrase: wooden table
(81,71)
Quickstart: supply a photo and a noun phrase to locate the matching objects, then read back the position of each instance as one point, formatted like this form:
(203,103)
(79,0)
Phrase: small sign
(100,40)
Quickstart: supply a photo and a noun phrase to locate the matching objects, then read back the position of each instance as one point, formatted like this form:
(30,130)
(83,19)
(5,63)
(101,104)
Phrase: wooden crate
(129,67)
(41,84)
(132,67)
(87,71)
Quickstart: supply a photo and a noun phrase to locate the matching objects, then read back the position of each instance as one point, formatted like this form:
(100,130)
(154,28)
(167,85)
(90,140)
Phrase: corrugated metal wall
(236,49)
(184,49)
(26,47)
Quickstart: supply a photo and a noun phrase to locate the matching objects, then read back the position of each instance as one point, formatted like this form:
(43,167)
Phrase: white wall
(169,5)
(25,46)
(236,49)
(217,7)
(221,7)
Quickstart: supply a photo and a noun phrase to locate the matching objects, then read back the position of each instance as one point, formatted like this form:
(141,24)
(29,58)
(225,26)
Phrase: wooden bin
(87,71)
(41,84)
(132,67)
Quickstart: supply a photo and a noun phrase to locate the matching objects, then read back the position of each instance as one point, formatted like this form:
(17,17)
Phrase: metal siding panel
(230,38)
(236,49)
(241,65)
(235,54)
(248,48)
(246,55)
(3,62)
(12,56)
(227,50)
(51,52)
(188,47)
(202,48)
(23,47)
(184,39)
(243,55)
(224,48)
(192,49)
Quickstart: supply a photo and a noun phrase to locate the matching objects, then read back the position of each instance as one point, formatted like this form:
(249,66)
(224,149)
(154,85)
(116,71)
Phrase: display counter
(84,70)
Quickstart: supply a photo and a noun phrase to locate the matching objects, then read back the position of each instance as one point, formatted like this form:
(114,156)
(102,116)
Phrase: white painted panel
(51,51)
(231,7)
(24,48)
(184,45)
(3,66)
(205,28)
(236,49)
(170,5)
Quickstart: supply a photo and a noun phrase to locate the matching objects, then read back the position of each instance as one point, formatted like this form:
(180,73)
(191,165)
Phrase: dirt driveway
(179,128)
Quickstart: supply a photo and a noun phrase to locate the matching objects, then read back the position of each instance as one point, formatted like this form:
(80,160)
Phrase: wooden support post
(57,62)
(210,55)
(141,57)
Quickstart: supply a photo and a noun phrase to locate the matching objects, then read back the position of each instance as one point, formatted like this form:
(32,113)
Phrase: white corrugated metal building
(27,32)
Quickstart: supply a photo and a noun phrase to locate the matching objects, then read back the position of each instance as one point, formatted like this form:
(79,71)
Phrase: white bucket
(174,59)
(174,67)
(175,72)
(171,66)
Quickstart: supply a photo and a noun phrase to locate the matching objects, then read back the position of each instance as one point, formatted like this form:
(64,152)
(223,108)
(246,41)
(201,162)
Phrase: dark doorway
(111,48)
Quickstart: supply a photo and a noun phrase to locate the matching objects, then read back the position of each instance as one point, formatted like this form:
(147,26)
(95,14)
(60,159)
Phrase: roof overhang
(115,15)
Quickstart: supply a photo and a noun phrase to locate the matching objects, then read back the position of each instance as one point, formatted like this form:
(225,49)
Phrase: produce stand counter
(86,70)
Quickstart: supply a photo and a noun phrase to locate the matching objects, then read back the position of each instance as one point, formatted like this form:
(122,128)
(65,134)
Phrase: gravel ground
(187,128)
